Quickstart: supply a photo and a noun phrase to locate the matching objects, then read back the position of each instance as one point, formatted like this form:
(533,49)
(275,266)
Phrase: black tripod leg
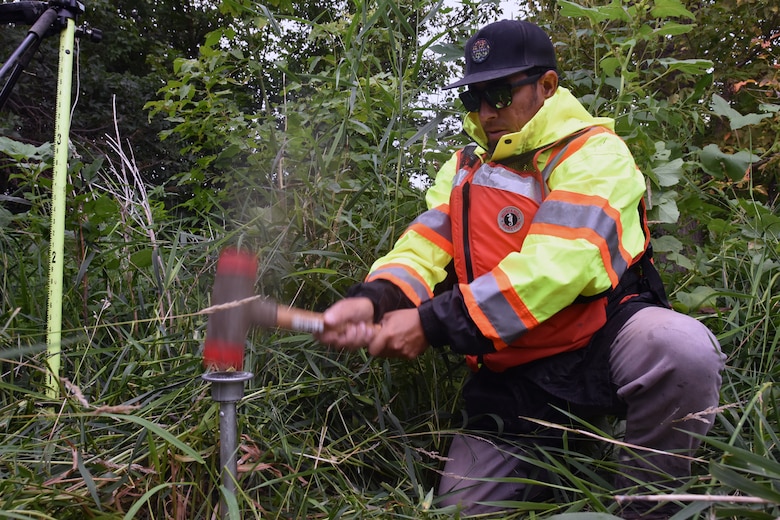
(23,54)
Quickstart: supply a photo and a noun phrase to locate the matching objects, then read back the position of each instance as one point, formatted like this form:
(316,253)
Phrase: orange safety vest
(484,192)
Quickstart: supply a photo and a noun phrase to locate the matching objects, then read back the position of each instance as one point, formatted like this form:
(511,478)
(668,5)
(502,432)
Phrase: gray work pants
(666,367)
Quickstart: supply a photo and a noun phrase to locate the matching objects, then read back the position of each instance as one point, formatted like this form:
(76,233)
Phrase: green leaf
(665,208)
(670,173)
(747,486)
(88,480)
(667,244)
(584,516)
(142,258)
(672,248)
(231,502)
(673,29)
(747,120)
(616,11)
(670,9)
(722,107)
(165,434)
(23,151)
(141,502)
(687,66)
(700,297)
(719,226)
(596,15)
(609,65)
(213,38)
(448,52)
(718,163)
(430,127)
(749,461)
(101,209)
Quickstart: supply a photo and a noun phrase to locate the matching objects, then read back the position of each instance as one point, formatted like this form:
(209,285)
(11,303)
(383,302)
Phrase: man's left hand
(401,336)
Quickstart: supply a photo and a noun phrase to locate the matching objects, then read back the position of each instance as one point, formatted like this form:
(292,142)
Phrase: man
(534,261)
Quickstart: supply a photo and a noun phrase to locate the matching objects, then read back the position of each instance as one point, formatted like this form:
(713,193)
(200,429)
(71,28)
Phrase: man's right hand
(348,324)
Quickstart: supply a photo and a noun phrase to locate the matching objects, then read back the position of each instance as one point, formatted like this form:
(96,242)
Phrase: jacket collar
(560,116)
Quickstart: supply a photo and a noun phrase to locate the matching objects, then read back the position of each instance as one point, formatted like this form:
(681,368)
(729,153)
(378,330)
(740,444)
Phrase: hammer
(235,309)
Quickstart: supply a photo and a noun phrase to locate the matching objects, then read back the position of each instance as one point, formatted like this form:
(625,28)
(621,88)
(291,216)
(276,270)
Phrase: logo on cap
(480,50)
(510,219)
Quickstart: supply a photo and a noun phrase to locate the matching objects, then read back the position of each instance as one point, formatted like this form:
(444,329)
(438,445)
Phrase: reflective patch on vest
(500,178)
(459,176)
(510,219)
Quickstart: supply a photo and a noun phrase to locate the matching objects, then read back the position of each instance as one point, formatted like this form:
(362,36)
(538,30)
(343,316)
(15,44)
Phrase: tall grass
(323,434)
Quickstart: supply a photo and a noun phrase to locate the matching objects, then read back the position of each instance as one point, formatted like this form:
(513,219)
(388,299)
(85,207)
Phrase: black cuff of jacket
(384,295)
(446,321)
(434,329)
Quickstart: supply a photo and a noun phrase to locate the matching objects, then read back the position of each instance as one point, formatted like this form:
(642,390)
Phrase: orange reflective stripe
(434,225)
(479,318)
(573,216)
(586,234)
(562,151)
(519,307)
(493,303)
(405,278)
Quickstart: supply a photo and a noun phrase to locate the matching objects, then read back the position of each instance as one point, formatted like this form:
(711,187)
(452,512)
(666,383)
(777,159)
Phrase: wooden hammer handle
(299,320)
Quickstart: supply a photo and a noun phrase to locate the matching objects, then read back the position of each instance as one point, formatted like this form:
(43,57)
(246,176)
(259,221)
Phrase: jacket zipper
(466,243)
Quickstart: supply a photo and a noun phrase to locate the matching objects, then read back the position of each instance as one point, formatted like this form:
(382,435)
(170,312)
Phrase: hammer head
(227,329)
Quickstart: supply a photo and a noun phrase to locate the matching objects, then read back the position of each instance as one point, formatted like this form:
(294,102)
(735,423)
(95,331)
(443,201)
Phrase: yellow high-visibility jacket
(546,294)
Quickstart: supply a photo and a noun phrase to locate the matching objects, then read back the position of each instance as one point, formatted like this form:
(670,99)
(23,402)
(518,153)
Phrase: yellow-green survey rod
(59,192)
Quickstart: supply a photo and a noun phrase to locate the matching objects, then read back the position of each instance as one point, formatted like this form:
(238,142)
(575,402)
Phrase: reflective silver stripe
(575,216)
(437,221)
(497,308)
(458,179)
(552,163)
(498,177)
(401,274)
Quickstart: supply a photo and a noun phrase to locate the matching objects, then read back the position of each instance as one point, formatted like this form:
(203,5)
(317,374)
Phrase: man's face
(526,102)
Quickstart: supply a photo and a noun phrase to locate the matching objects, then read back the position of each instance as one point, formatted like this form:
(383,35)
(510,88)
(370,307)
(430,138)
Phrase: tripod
(46,19)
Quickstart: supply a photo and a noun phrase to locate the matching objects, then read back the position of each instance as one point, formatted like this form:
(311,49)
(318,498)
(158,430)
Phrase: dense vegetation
(304,131)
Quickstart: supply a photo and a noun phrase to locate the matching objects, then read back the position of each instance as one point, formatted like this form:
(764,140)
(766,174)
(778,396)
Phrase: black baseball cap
(504,48)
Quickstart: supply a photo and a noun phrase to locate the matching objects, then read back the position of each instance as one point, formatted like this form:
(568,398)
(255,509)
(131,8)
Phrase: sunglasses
(497,95)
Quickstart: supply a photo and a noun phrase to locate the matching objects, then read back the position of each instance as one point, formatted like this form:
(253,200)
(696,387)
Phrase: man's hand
(348,324)
(401,336)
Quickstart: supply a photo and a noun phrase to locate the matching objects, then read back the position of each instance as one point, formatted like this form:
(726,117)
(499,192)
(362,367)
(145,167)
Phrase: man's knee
(662,346)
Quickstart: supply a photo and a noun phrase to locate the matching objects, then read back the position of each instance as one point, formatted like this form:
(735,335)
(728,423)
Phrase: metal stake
(227,388)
